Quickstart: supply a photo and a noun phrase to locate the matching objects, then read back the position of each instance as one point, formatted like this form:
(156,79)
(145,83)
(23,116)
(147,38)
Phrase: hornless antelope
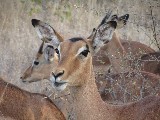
(43,63)
(111,88)
(108,91)
(41,68)
(75,71)
(122,54)
(18,104)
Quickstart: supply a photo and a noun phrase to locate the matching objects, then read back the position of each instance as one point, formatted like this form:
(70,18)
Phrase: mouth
(60,86)
(31,81)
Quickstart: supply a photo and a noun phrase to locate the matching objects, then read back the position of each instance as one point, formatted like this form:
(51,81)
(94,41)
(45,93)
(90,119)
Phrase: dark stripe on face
(76,39)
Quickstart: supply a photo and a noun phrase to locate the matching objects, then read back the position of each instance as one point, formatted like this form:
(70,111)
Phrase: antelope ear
(122,20)
(92,34)
(103,35)
(106,18)
(46,32)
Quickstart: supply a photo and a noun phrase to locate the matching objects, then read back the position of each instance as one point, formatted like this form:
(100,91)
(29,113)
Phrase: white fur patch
(47,33)
(80,50)
(59,88)
(39,33)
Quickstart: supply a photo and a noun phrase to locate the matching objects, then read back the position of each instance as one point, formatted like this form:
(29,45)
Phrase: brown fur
(151,62)
(87,102)
(105,83)
(75,71)
(18,104)
(128,87)
(123,54)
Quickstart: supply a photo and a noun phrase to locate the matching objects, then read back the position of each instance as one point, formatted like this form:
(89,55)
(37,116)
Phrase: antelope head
(75,55)
(45,58)
(42,64)
(121,22)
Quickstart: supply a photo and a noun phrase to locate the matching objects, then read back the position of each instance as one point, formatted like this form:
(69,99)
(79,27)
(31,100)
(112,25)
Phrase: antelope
(122,54)
(18,104)
(75,71)
(43,70)
(109,86)
(40,69)
(100,60)
(44,61)
(128,86)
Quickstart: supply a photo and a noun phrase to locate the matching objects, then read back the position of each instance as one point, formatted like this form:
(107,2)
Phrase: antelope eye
(85,53)
(36,62)
(57,51)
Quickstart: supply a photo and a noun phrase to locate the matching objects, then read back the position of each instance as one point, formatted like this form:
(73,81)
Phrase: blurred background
(71,18)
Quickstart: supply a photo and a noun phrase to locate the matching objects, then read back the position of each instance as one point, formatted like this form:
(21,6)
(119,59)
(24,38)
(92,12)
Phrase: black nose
(35,22)
(58,74)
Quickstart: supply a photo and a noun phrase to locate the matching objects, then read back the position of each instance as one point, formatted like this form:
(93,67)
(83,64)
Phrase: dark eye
(85,53)
(57,51)
(36,62)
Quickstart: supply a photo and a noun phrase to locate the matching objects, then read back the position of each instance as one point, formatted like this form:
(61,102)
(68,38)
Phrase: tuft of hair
(35,22)
(124,18)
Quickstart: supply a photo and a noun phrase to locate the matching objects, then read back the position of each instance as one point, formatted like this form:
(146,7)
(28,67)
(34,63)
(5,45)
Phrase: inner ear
(122,20)
(113,24)
(103,35)
(46,33)
(124,17)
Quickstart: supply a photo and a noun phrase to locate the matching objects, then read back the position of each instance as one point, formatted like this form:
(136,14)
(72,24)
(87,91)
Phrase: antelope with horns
(75,71)
(18,104)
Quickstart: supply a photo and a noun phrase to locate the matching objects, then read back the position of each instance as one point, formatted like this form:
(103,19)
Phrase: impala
(43,70)
(18,104)
(75,71)
(123,54)
(44,61)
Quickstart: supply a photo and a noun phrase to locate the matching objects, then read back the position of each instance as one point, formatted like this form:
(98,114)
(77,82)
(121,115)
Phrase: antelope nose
(22,78)
(58,74)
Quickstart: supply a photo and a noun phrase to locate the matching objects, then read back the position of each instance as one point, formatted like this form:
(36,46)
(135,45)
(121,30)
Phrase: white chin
(52,79)
(60,87)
